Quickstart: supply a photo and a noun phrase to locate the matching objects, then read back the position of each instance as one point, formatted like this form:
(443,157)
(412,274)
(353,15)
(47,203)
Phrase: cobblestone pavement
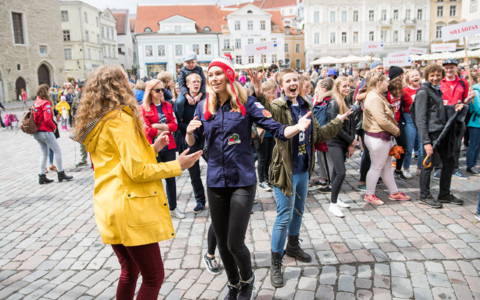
(50,247)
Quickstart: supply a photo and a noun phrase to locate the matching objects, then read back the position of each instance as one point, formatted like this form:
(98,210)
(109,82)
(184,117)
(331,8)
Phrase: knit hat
(394,72)
(226,64)
(375,64)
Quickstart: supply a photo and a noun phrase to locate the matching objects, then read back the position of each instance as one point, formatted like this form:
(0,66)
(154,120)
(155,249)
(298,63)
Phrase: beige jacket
(378,115)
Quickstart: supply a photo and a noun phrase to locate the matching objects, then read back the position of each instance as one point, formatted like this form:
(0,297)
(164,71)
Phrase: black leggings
(264,158)
(338,173)
(230,210)
(365,162)
(401,141)
(211,241)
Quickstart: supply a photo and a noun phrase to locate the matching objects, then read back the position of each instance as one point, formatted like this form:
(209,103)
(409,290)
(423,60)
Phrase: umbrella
(442,135)
(327,60)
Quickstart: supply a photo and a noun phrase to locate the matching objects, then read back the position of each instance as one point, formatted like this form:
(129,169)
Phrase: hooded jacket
(129,200)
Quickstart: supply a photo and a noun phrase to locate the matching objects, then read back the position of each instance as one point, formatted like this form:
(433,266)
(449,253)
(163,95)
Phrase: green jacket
(281,167)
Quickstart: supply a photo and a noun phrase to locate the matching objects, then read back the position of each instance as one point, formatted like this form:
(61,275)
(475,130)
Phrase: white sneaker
(335,210)
(418,171)
(177,213)
(407,174)
(342,204)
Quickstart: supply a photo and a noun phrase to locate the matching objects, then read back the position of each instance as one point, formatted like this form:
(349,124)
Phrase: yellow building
(294,48)
(443,13)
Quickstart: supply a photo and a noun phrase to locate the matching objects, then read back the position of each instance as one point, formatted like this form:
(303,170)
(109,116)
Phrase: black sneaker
(232,292)
(473,171)
(246,289)
(399,175)
(432,202)
(211,264)
(477,216)
(450,199)
(325,190)
(198,209)
(460,174)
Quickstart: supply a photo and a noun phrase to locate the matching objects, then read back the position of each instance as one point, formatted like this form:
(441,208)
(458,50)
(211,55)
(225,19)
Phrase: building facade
(108,25)
(294,48)
(30,48)
(338,28)
(127,47)
(470,12)
(443,13)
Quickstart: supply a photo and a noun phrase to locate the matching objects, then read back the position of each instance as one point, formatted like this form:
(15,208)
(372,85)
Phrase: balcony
(387,22)
(409,22)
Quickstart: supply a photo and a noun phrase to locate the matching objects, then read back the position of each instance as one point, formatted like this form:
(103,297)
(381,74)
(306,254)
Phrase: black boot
(62,176)
(42,178)
(293,249)
(232,291)
(276,275)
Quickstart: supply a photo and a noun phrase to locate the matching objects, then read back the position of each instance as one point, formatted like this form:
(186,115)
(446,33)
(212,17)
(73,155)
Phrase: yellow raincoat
(129,200)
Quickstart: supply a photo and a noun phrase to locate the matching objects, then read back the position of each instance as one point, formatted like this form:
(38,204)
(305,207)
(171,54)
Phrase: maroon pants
(145,259)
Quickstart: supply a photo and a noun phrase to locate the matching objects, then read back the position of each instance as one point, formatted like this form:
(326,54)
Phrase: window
(453,11)
(100,55)
(161,50)
(473,6)
(419,35)
(85,16)
(96,20)
(297,48)
(103,32)
(64,14)
(238,43)
(264,59)
(108,33)
(316,38)
(263,40)
(89,53)
(395,14)
(383,35)
(226,44)
(407,35)
(196,49)
(98,38)
(384,15)
(344,16)
(67,53)
(316,16)
(438,31)
(147,29)
(250,25)
(355,37)
(420,14)
(407,14)
(371,15)
(274,58)
(344,37)
(332,37)
(178,50)
(238,59)
(250,41)
(371,36)
(262,25)
(286,47)
(148,51)
(440,11)
(237,25)
(87,36)
(298,63)
(355,16)
(395,36)
(332,16)
(66,35)
(208,49)
(251,59)
(17,19)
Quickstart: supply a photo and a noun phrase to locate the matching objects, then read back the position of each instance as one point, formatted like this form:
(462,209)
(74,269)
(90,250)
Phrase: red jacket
(151,117)
(455,94)
(43,115)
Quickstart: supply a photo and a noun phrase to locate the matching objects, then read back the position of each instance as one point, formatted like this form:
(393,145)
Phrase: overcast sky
(132,4)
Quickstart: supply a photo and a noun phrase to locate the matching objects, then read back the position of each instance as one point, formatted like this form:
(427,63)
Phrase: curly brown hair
(431,68)
(395,87)
(107,89)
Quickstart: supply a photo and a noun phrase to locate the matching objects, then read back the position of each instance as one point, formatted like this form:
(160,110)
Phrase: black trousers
(197,184)
(401,141)
(338,173)
(230,210)
(171,185)
(211,241)
(365,161)
(264,154)
(448,163)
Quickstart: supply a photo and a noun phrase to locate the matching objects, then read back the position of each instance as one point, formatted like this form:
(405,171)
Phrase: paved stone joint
(50,247)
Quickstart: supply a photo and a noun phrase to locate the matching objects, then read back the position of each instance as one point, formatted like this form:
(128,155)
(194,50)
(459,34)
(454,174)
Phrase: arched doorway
(19,85)
(43,75)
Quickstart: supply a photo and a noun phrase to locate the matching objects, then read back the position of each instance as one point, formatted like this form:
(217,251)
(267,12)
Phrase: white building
(470,12)
(127,48)
(338,28)
(108,25)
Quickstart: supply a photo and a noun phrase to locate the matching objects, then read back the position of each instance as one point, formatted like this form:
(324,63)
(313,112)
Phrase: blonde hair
(165,77)
(107,89)
(372,80)
(409,73)
(147,97)
(140,85)
(269,85)
(212,97)
(342,106)
(191,75)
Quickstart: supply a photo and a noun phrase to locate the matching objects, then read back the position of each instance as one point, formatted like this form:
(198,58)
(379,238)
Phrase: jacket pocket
(142,208)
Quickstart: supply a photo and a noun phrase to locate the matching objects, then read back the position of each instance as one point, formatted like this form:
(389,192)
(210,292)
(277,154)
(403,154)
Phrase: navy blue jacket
(228,136)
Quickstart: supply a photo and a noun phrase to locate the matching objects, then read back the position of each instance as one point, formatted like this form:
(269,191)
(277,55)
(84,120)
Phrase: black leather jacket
(346,135)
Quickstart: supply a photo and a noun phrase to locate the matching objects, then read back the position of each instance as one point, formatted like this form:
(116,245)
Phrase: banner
(371,47)
(417,51)
(460,30)
(444,47)
(261,48)
(398,55)
(399,62)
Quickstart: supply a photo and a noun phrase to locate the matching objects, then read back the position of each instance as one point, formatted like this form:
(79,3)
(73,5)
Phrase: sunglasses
(159,90)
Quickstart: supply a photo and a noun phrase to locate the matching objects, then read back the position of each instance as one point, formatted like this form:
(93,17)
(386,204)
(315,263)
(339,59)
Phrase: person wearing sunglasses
(158,117)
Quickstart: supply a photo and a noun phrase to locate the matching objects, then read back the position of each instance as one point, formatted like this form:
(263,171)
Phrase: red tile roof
(132,24)
(121,18)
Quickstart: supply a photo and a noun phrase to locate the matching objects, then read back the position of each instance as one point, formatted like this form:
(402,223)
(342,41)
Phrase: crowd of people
(279,124)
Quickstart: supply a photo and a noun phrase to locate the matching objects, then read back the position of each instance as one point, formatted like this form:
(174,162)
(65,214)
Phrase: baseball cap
(449,61)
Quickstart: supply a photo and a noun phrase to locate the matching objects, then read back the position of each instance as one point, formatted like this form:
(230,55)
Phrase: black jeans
(171,187)
(401,141)
(458,146)
(338,173)
(365,161)
(447,169)
(211,241)
(197,184)
(264,158)
(230,210)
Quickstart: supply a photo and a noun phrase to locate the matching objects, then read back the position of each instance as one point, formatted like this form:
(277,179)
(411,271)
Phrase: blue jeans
(289,211)
(473,147)
(50,156)
(412,136)
(47,140)
(478,206)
